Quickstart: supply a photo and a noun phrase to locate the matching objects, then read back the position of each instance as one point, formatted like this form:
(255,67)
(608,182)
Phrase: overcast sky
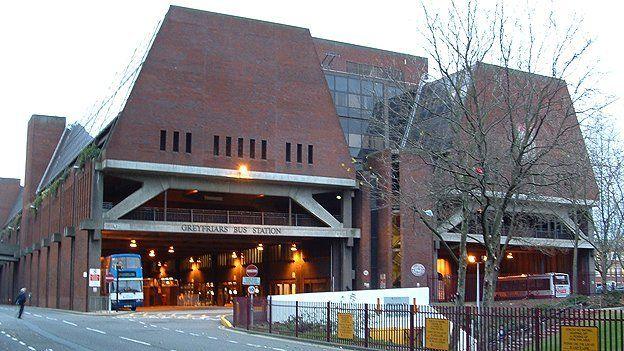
(60,57)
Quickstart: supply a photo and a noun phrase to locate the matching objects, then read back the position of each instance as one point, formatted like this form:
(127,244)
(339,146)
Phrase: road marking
(180,331)
(236,342)
(152,325)
(194,334)
(211,337)
(142,322)
(70,323)
(37,315)
(95,330)
(137,341)
(22,343)
(32,348)
(165,328)
(28,313)
(52,319)
(278,349)
(253,345)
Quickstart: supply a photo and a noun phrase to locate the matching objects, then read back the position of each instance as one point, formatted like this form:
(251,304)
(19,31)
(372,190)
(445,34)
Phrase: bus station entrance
(191,269)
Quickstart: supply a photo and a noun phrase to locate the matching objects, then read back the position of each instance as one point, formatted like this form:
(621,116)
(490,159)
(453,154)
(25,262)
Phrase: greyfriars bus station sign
(229,229)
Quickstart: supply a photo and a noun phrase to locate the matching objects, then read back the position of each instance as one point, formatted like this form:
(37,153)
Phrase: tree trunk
(575,255)
(460,297)
(490,277)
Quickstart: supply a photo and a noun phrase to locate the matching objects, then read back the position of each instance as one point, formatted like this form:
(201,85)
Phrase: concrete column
(346,265)
(347,211)
(95,236)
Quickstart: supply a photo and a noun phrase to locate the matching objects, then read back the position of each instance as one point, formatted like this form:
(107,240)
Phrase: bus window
(126,262)
(129,286)
(560,279)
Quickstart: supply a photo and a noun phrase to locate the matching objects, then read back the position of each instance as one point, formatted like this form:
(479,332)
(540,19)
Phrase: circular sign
(251,270)
(365,273)
(109,278)
(418,270)
(251,289)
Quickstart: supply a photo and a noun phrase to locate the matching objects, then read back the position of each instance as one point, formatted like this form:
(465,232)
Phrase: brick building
(235,146)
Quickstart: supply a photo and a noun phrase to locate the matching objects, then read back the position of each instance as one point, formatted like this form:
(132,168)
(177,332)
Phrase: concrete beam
(149,190)
(190,171)
(55,238)
(8,249)
(306,201)
(519,241)
(184,228)
(451,222)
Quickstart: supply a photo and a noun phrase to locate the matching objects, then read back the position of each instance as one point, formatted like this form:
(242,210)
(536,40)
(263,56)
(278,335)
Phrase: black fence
(409,327)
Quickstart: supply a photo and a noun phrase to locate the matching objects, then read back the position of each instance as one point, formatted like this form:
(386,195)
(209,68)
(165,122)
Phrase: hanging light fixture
(234,254)
(133,243)
(260,247)
(293,247)
(198,260)
(159,264)
(510,255)
(171,250)
(152,253)
(191,260)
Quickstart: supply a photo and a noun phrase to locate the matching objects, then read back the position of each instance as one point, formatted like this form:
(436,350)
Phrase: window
(310,154)
(189,142)
(176,141)
(228,146)
(263,154)
(287,152)
(215,146)
(299,153)
(252,148)
(163,140)
(240,147)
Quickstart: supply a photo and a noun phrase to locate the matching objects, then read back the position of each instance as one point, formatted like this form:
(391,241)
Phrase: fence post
(328,329)
(248,311)
(537,330)
(411,326)
(270,314)
(296,319)
(366,331)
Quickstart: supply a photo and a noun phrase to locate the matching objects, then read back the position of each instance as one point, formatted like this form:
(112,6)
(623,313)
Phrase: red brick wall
(9,190)
(212,74)
(362,220)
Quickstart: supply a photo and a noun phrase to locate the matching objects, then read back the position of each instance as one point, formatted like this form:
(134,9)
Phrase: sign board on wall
(94,277)
(579,338)
(345,326)
(437,334)
(418,270)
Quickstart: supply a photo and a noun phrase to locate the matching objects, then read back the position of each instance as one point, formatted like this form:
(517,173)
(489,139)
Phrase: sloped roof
(17,206)
(74,139)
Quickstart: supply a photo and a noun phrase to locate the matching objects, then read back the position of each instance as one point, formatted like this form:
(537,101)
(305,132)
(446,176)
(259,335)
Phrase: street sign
(109,278)
(437,333)
(251,280)
(579,338)
(251,270)
(94,277)
(346,328)
(251,289)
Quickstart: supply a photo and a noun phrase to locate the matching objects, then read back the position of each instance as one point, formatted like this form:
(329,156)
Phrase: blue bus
(129,293)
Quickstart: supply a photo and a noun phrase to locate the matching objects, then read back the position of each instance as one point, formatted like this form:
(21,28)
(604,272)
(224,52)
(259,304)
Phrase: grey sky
(60,58)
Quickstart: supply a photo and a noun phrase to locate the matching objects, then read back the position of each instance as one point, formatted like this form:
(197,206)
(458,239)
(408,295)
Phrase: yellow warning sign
(345,326)
(579,338)
(437,332)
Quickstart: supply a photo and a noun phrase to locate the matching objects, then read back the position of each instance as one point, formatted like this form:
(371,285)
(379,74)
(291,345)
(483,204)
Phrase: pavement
(56,330)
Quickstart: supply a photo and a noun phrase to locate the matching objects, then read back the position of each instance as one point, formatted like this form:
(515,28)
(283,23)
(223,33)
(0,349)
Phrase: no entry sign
(251,270)
(109,278)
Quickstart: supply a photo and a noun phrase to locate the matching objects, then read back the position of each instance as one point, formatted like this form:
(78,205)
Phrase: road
(54,330)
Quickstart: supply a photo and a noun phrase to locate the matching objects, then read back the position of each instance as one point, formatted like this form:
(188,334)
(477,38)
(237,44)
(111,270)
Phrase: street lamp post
(473,259)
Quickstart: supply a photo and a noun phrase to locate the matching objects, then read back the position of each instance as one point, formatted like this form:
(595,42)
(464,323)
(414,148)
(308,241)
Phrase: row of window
(374,71)
(175,143)
(240,147)
(299,153)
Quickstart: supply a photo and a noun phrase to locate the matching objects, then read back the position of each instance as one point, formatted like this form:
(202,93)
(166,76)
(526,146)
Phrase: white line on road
(37,315)
(32,348)
(137,341)
(70,323)
(278,349)
(211,337)
(95,330)
(52,319)
(180,331)
(165,328)
(28,313)
(152,325)
(236,342)
(194,334)
(22,343)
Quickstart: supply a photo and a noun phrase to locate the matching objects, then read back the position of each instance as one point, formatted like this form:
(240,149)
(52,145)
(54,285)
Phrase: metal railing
(405,327)
(159,214)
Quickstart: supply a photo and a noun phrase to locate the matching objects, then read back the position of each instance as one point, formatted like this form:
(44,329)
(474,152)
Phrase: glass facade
(357,98)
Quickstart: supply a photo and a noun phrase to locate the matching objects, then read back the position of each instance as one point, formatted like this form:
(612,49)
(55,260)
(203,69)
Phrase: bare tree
(499,137)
